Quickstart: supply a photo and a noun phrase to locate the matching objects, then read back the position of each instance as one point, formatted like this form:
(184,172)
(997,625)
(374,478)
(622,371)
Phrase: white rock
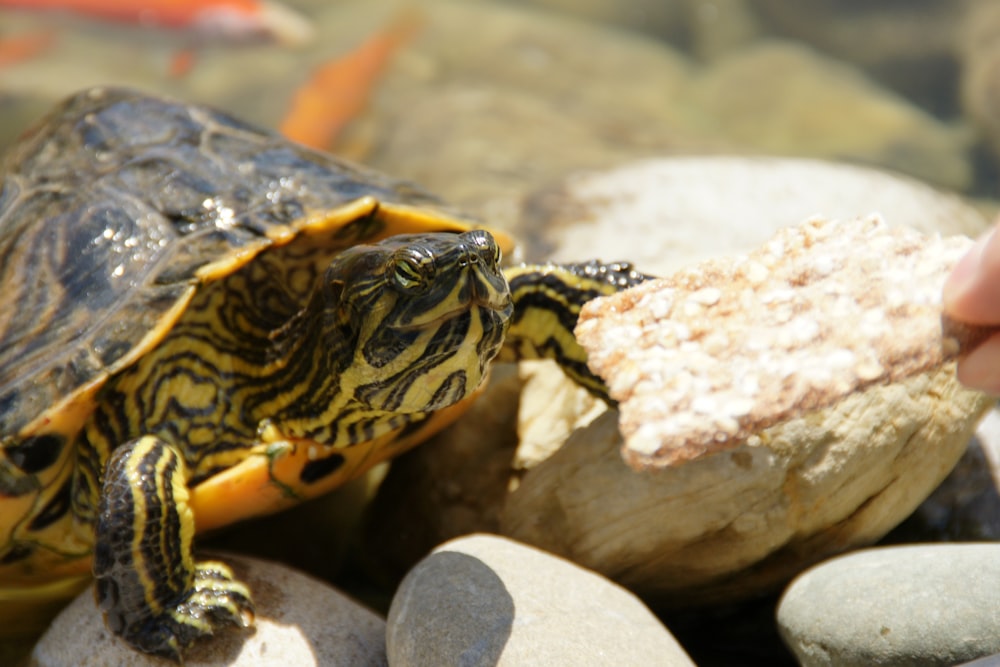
(300,621)
(682,210)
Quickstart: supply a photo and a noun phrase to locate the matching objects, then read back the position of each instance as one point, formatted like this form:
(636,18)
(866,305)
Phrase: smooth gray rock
(486,600)
(916,605)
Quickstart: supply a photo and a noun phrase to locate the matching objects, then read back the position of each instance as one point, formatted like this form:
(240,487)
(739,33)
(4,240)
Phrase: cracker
(705,358)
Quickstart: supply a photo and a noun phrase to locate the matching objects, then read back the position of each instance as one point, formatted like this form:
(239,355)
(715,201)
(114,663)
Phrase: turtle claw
(216,599)
(218,595)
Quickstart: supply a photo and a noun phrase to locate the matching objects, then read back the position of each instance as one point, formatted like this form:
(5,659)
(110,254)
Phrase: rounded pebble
(915,605)
(486,600)
(300,621)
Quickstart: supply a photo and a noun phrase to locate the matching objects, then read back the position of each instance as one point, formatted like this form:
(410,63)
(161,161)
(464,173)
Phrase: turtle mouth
(497,312)
(432,323)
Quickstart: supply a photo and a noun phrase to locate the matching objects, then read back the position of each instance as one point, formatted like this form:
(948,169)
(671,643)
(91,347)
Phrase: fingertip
(971,292)
(980,368)
(962,277)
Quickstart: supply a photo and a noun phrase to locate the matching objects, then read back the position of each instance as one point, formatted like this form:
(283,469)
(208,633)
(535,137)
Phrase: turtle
(203,322)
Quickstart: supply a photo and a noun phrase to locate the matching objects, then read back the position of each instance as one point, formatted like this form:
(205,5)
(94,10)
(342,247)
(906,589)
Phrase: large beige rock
(965,507)
(485,600)
(837,467)
(744,521)
(300,621)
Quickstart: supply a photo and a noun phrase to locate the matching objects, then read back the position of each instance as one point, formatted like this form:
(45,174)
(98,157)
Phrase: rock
(300,621)
(676,215)
(786,99)
(918,605)
(910,47)
(715,31)
(979,42)
(551,408)
(485,600)
(459,93)
(704,30)
(966,506)
(740,488)
(741,523)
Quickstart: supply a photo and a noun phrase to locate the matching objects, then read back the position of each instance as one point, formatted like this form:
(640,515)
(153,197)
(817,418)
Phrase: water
(488,99)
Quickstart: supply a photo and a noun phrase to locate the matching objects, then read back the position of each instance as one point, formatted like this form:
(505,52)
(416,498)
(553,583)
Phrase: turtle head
(417,318)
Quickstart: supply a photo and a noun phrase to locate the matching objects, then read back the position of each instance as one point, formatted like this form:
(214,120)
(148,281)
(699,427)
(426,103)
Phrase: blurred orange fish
(181,63)
(338,91)
(25,46)
(235,19)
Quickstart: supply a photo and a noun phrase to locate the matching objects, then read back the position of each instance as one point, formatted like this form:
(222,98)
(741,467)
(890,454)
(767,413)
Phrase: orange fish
(339,90)
(181,63)
(27,45)
(235,19)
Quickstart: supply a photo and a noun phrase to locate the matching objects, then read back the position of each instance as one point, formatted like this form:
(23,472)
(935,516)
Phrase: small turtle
(203,322)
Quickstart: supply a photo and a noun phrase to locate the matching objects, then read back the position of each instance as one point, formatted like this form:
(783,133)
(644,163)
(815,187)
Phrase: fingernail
(962,277)
(980,369)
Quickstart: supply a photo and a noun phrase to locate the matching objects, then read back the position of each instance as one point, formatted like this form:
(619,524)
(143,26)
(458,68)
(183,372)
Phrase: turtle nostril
(469,257)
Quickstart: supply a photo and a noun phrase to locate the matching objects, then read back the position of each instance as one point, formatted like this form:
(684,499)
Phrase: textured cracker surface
(703,359)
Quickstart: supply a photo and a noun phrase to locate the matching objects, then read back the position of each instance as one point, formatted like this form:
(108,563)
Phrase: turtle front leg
(152,592)
(547,301)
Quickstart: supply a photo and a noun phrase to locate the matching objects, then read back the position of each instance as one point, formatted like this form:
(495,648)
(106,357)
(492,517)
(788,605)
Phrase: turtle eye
(409,273)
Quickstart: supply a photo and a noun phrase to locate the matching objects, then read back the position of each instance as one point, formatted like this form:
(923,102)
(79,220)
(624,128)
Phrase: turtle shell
(118,205)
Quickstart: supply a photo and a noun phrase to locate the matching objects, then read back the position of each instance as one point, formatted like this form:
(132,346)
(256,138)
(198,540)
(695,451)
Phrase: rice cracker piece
(702,360)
